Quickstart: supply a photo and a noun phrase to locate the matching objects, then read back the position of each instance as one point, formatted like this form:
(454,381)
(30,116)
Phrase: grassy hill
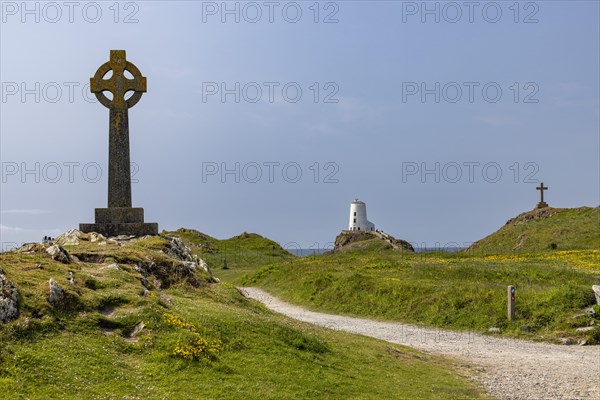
(246,249)
(141,319)
(545,229)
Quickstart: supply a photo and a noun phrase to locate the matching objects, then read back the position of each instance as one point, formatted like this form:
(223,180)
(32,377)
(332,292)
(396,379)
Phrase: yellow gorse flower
(176,320)
(198,347)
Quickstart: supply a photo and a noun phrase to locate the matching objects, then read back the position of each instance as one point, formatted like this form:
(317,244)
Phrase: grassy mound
(247,249)
(545,229)
(137,320)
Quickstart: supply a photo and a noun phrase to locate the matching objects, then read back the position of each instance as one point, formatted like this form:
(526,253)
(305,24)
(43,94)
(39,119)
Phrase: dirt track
(513,369)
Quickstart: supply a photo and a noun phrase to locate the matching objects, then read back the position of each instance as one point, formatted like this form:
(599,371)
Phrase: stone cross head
(118,84)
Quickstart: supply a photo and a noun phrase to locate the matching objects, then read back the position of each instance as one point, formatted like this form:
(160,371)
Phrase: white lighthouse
(358,217)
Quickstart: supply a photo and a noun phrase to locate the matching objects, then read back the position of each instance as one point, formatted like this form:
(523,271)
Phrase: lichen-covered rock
(9,299)
(69,238)
(189,266)
(205,266)
(59,254)
(97,237)
(596,289)
(57,293)
(137,329)
(177,249)
(29,248)
(190,262)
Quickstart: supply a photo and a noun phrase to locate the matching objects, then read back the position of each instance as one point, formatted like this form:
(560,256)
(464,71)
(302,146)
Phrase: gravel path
(512,369)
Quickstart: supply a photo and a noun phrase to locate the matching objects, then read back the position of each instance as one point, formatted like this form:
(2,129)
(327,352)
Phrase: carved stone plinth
(126,228)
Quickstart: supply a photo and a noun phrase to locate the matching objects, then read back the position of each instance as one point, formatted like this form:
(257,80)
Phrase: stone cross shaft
(119,172)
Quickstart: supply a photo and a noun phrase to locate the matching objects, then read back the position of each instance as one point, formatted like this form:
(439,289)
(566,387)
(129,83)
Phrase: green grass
(82,351)
(545,230)
(246,250)
(550,255)
(457,291)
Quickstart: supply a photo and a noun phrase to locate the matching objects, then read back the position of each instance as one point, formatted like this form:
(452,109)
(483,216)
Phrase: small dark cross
(541,188)
(119,169)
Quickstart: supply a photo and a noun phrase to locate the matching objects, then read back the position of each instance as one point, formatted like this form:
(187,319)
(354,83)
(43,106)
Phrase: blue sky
(366,133)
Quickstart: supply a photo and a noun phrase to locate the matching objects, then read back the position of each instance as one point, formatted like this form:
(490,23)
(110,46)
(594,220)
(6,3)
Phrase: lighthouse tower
(358,217)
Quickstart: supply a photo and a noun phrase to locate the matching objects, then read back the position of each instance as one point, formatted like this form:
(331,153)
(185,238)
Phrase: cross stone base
(116,221)
(541,204)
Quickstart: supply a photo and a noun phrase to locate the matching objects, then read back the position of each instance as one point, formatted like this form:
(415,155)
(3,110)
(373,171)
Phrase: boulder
(59,254)
(97,237)
(69,238)
(9,299)
(137,329)
(57,294)
(596,289)
(205,266)
(494,330)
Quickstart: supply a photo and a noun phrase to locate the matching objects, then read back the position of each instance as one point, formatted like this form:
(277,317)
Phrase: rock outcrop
(56,296)
(347,239)
(69,238)
(59,254)
(9,299)
(189,261)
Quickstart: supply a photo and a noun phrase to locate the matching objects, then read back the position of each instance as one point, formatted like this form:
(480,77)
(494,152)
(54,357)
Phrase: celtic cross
(119,218)
(119,172)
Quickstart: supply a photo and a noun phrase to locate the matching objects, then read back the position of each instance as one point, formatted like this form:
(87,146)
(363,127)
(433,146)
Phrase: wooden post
(511,303)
